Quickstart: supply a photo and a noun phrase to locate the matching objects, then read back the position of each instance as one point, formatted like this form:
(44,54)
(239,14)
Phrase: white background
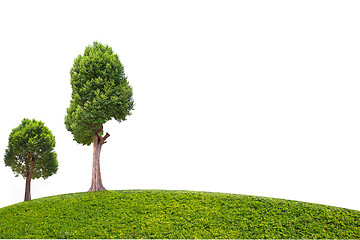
(248,97)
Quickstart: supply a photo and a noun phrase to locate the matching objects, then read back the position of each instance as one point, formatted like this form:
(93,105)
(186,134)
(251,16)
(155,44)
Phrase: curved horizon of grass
(174,214)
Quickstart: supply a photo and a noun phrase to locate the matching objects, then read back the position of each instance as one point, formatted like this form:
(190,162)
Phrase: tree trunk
(27,189)
(96,182)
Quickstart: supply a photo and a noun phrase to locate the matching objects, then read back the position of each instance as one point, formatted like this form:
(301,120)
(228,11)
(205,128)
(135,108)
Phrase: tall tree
(100,92)
(30,152)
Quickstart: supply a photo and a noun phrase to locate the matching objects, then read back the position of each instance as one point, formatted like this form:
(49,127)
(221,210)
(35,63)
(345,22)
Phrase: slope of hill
(174,214)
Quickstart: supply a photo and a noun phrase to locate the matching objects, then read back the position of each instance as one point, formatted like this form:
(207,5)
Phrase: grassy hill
(174,214)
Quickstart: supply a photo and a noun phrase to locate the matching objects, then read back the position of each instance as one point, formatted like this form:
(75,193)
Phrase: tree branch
(105,137)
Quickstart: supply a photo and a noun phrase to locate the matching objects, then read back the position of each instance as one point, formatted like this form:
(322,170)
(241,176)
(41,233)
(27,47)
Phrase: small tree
(30,152)
(100,92)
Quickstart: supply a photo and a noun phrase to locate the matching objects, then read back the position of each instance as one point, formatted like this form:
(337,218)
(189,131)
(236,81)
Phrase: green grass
(174,214)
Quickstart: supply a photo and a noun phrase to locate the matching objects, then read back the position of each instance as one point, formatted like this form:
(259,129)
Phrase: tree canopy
(30,150)
(100,92)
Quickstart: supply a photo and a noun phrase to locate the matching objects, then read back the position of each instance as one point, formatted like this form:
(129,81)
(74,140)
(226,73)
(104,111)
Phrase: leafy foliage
(100,92)
(174,214)
(31,150)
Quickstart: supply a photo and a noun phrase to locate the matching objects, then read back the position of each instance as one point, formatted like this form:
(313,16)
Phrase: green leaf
(33,142)
(100,92)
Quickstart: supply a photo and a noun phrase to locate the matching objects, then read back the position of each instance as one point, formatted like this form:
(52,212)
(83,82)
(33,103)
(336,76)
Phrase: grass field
(174,214)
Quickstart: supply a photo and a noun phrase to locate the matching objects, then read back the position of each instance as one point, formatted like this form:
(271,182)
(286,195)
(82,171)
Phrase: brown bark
(96,182)
(27,189)
(29,165)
